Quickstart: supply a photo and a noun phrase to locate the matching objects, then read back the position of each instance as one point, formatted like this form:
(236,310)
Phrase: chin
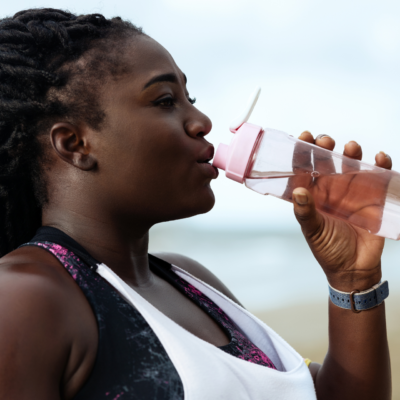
(208,204)
(202,203)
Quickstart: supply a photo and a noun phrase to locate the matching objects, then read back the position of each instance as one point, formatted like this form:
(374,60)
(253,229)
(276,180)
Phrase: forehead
(147,59)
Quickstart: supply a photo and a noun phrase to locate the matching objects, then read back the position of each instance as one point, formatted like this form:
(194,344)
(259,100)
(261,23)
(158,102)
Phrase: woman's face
(152,153)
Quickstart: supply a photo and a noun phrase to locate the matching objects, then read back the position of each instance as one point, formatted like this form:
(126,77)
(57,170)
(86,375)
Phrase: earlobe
(71,143)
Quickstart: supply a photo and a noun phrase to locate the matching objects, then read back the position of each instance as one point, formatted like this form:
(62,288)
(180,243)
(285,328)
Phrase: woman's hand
(357,365)
(349,256)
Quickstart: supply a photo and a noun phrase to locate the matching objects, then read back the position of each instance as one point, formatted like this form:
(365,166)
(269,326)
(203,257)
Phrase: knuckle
(302,216)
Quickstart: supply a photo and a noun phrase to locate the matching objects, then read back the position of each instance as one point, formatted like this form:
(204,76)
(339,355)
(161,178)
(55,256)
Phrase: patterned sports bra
(131,360)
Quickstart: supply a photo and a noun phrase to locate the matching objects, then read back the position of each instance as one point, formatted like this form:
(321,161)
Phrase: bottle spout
(221,156)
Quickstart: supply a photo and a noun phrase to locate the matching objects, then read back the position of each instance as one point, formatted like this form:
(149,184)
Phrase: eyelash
(171,100)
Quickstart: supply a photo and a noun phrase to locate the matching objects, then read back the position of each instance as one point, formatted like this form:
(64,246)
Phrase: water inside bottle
(366,199)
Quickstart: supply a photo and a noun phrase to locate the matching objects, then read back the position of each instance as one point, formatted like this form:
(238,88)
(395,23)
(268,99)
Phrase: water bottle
(272,162)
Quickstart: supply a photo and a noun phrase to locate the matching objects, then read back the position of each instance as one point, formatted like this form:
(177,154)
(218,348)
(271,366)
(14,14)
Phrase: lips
(204,163)
(207,155)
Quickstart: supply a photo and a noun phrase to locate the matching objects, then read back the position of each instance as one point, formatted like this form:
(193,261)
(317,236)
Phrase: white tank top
(208,373)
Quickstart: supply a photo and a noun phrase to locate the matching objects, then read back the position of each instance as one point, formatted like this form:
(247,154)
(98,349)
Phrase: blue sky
(329,67)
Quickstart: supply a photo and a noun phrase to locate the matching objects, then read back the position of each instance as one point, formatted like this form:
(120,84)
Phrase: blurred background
(329,67)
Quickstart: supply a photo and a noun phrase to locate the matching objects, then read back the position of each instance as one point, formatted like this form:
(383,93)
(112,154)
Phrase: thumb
(310,220)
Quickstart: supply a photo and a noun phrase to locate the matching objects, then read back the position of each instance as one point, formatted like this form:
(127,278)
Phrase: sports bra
(132,362)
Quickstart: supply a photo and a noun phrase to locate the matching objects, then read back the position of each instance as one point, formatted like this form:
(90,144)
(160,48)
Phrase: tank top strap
(131,362)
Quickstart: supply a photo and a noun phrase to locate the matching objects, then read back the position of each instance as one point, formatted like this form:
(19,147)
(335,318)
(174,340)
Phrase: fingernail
(386,155)
(300,198)
(321,136)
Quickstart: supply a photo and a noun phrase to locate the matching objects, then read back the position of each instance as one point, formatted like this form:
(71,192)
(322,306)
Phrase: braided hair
(41,80)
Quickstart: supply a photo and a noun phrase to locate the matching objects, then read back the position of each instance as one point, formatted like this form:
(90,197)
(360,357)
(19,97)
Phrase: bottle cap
(235,158)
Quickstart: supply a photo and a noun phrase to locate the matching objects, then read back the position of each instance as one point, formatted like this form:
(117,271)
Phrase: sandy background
(310,336)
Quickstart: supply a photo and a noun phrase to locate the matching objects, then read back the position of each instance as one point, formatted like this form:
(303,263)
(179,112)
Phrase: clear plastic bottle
(272,162)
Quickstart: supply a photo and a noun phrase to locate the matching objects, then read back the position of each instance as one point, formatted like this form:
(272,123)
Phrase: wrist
(357,300)
(348,281)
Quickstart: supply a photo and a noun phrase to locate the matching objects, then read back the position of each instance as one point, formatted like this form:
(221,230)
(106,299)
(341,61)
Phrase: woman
(100,141)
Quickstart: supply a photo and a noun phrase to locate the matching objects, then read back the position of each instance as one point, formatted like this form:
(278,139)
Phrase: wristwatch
(358,301)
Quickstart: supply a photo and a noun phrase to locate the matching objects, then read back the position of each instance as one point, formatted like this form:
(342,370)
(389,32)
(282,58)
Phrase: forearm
(357,365)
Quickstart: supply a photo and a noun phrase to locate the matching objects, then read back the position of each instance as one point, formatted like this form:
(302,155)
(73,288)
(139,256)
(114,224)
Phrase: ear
(72,145)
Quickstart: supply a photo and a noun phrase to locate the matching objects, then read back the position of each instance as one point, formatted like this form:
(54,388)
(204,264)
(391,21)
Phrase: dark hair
(40,81)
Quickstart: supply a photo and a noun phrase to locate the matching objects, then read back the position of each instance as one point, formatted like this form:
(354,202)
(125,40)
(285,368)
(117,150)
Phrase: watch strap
(360,301)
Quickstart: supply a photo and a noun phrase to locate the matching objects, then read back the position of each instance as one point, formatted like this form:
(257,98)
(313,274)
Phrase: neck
(122,247)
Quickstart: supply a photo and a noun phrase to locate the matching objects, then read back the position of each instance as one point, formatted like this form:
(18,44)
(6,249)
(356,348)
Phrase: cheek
(147,163)
(154,170)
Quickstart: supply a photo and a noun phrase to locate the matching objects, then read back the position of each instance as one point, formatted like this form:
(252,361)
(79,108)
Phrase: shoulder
(34,283)
(198,270)
(32,275)
(38,295)
(26,281)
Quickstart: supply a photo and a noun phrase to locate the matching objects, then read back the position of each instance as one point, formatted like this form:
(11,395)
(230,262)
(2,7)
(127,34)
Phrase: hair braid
(37,50)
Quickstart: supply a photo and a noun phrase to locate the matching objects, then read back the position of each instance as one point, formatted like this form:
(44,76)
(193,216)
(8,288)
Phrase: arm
(31,342)
(44,329)
(357,365)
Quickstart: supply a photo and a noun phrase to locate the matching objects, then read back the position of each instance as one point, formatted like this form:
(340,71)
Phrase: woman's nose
(199,125)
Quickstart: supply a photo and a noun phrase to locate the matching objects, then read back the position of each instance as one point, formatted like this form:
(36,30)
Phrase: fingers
(383,160)
(302,161)
(353,150)
(307,137)
(325,142)
(323,161)
(308,217)
(301,164)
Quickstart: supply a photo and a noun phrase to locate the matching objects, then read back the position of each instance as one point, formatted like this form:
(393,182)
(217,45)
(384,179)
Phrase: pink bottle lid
(235,158)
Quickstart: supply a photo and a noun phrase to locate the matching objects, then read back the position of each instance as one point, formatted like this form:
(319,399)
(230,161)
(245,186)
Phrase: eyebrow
(163,78)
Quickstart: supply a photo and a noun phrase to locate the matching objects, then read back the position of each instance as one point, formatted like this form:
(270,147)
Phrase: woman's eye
(165,102)
(170,101)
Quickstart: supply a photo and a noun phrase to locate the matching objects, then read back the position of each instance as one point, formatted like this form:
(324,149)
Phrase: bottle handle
(238,122)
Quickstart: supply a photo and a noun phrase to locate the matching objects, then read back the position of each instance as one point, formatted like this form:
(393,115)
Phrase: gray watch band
(360,301)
